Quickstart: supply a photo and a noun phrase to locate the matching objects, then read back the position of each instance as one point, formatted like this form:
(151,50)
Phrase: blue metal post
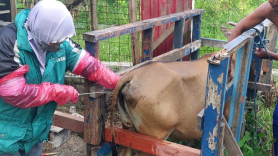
(214,105)
(196,34)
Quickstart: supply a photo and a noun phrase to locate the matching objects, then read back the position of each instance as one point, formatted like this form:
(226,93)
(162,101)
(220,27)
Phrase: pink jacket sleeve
(15,91)
(92,69)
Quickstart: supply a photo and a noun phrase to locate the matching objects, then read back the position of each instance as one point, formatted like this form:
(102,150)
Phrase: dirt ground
(76,146)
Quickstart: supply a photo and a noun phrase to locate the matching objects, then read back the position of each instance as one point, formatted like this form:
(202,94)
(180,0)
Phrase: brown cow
(162,99)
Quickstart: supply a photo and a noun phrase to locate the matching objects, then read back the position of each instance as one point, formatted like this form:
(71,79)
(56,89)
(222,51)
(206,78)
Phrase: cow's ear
(226,31)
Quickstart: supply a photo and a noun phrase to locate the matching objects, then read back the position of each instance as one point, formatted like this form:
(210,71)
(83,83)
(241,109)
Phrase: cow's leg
(227,109)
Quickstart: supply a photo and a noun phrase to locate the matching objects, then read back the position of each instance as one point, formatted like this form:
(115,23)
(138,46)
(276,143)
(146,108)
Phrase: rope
(261,44)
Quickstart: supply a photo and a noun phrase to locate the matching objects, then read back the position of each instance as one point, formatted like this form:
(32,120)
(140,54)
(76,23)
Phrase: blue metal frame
(216,83)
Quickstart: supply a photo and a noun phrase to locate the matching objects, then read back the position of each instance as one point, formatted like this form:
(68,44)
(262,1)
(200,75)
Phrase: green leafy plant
(259,143)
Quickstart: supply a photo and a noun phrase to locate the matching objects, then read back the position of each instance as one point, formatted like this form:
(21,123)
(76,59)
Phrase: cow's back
(166,97)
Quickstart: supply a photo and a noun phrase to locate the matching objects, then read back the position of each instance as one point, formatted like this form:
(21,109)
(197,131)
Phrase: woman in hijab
(35,53)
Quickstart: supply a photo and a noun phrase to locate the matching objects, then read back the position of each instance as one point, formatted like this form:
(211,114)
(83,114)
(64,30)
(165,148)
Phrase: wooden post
(271,46)
(94,123)
(242,70)
(94,15)
(230,143)
(134,36)
(178,33)
(214,105)
(221,138)
(147,43)
(196,34)
(13,9)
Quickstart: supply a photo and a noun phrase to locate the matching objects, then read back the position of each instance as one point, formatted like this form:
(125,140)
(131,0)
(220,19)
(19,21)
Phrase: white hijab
(51,22)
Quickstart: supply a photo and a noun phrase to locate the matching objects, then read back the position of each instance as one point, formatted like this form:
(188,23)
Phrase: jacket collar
(22,36)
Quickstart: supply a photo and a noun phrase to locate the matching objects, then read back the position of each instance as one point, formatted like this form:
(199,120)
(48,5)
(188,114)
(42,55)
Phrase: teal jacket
(21,129)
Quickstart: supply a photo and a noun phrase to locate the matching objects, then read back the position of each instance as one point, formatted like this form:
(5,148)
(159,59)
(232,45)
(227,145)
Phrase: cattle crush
(217,132)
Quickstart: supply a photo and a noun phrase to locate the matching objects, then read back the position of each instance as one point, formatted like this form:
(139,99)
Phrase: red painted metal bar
(127,138)
(149,144)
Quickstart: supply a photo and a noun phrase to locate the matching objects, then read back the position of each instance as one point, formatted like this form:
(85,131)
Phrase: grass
(262,144)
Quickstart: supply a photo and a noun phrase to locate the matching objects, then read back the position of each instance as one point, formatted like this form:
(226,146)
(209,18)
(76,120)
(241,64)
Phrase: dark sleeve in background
(8,36)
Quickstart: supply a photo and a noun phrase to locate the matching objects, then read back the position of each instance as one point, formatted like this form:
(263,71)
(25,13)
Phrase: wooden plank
(178,33)
(94,125)
(13,9)
(271,46)
(199,122)
(221,139)
(112,32)
(147,43)
(214,106)
(243,126)
(242,71)
(196,34)
(94,15)
(134,36)
(94,107)
(230,143)
(67,121)
(213,43)
(148,144)
(4,12)
(173,55)
(163,37)
(260,86)
(177,54)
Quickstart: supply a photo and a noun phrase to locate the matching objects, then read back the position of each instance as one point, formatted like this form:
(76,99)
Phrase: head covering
(51,22)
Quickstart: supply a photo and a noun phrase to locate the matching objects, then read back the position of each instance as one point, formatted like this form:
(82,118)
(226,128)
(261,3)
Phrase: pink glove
(92,69)
(15,91)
